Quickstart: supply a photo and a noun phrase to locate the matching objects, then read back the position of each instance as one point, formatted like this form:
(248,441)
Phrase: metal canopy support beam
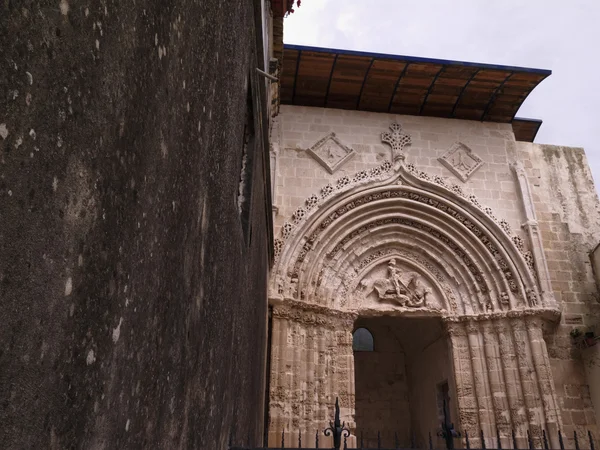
(493,96)
(362,87)
(430,89)
(462,91)
(296,76)
(396,86)
(330,78)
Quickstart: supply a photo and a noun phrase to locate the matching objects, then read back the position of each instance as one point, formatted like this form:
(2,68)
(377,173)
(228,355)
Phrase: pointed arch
(434,226)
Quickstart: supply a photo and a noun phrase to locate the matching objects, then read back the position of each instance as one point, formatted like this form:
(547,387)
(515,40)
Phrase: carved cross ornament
(461,161)
(330,152)
(397,139)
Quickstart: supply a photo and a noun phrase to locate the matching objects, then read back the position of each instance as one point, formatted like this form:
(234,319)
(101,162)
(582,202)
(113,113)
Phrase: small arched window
(362,340)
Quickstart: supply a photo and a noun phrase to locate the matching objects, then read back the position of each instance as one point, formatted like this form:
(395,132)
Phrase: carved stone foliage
(397,139)
(331,153)
(461,161)
(404,288)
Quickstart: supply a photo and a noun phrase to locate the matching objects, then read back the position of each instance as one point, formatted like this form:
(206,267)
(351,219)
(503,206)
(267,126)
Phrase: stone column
(528,378)
(280,381)
(467,405)
(512,379)
(481,380)
(543,370)
(503,380)
(312,364)
(532,229)
(498,384)
(536,378)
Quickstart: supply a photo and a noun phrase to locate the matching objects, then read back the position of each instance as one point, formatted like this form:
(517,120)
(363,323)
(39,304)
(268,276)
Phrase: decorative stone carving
(403,288)
(531,227)
(331,153)
(461,161)
(505,299)
(397,139)
(532,297)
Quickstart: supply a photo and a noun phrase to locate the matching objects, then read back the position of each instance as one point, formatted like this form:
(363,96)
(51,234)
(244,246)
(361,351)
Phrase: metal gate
(340,434)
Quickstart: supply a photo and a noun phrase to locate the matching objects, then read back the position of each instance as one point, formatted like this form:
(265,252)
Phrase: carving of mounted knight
(403,288)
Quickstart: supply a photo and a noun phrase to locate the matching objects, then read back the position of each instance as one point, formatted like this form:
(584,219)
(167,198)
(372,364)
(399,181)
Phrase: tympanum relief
(392,285)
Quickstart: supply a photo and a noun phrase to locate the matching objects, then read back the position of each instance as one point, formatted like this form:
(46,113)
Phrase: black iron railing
(340,434)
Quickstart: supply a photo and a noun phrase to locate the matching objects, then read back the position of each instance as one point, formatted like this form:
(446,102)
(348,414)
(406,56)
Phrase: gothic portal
(419,277)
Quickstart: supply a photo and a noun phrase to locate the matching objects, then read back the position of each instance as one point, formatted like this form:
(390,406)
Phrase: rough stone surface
(133,300)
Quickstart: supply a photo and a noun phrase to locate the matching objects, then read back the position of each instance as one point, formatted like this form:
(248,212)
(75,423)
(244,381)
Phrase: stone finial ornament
(397,139)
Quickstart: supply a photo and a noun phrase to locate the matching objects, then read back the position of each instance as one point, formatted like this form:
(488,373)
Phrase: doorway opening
(402,373)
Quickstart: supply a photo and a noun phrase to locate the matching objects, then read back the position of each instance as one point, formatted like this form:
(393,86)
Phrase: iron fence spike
(514,439)
(576,440)
(529,440)
(545,438)
(467,443)
(283,439)
(482,439)
(591,438)
(498,438)
(560,441)
(317,439)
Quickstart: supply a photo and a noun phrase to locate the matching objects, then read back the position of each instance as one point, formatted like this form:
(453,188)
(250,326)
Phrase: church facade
(432,264)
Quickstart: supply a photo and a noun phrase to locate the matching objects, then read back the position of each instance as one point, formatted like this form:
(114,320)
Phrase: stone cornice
(302,311)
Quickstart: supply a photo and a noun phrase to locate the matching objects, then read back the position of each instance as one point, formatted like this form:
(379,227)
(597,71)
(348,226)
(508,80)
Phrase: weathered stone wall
(568,213)
(132,298)
(543,194)
(428,370)
(298,175)
(311,365)
(382,390)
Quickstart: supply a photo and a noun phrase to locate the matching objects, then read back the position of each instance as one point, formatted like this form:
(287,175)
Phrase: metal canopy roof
(409,85)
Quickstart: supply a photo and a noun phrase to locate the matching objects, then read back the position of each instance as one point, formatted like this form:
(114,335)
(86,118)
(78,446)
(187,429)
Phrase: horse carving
(403,288)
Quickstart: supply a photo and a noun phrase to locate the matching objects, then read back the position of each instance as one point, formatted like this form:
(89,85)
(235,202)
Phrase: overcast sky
(563,36)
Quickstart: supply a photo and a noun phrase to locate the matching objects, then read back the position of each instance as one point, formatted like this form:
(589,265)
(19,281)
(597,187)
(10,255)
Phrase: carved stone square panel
(331,153)
(461,161)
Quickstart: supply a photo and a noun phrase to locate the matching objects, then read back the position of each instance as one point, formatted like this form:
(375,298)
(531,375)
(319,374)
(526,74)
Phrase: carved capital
(472,327)
(455,329)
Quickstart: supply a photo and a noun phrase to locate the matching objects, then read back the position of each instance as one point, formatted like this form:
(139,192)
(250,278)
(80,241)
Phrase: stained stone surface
(132,303)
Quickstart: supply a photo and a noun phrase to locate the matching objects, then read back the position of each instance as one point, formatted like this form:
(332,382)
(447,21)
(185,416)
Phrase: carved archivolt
(477,264)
